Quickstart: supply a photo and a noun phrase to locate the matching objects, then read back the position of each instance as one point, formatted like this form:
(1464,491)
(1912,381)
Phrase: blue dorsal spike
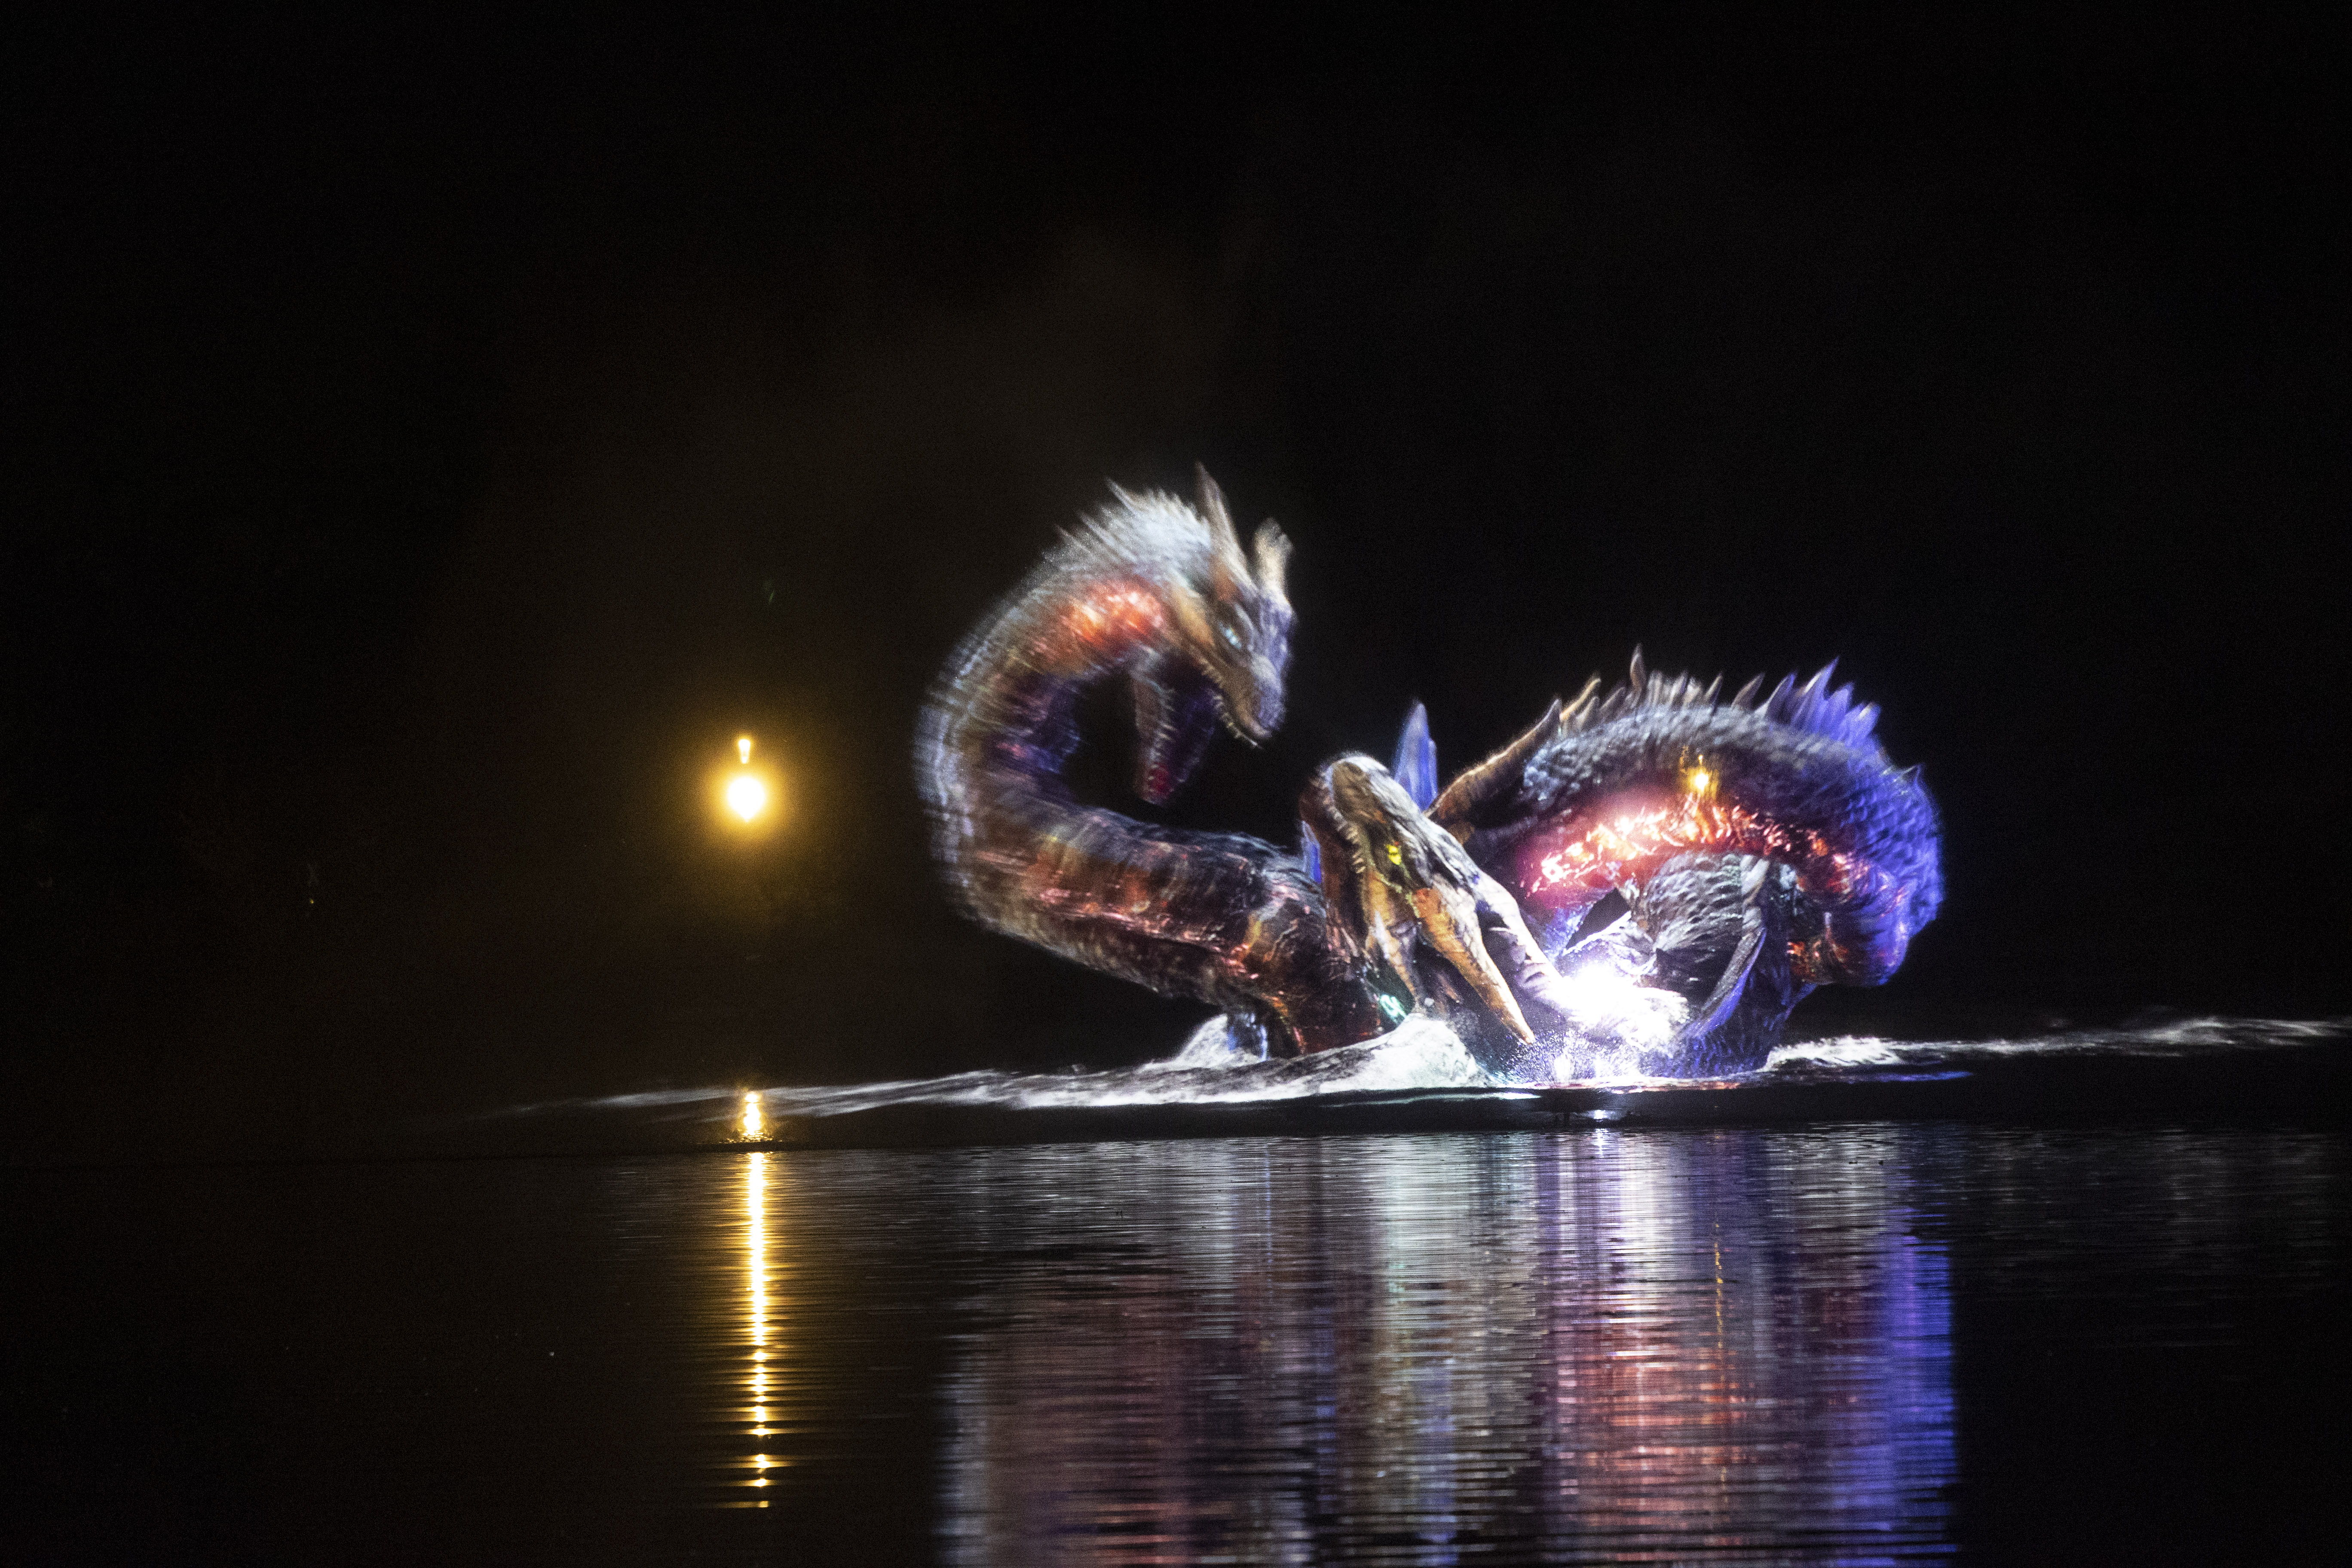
(1310,852)
(1416,758)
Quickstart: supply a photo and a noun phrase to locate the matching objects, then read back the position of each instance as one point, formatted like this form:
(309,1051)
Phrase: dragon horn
(1212,501)
(1480,785)
(1273,550)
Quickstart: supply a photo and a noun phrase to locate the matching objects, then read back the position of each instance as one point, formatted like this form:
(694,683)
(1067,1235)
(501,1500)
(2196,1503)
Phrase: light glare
(746,797)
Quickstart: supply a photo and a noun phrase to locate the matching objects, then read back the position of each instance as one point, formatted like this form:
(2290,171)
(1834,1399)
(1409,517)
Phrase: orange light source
(750,796)
(747,797)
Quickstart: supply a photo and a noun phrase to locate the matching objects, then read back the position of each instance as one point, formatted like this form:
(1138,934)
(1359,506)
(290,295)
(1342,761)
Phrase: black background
(430,444)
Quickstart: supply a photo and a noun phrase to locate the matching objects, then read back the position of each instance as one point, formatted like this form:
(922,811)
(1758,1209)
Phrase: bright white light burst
(746,797)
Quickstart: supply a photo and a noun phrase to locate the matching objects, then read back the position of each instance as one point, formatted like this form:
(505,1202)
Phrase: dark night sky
(429,446)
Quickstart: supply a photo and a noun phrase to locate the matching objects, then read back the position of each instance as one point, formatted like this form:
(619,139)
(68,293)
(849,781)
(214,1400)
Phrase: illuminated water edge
(1423,1061)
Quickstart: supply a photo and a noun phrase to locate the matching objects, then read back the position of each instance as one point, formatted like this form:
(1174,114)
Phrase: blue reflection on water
(1729,1345)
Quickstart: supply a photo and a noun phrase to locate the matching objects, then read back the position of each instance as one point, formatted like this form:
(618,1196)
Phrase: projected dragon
(1647,879)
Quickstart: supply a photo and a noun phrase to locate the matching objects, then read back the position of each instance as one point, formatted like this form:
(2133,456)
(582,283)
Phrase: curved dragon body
(1160,594)
(1746,851)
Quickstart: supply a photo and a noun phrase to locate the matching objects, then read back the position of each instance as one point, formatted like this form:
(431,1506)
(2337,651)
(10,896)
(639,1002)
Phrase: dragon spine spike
(1211,503)
(1638,672)
(1812,706)
(1416,758)
(1577,713)
(1841,703)
(1816,709)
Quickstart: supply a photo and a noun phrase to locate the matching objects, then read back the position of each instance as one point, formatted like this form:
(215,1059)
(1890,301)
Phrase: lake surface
(1812,1341)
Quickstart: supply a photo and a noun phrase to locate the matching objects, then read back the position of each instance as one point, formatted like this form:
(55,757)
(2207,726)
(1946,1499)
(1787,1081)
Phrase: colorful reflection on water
(1847,1344)
(1623,1346)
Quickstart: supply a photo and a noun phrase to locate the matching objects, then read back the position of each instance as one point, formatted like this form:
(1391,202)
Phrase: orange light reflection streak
(759,1313)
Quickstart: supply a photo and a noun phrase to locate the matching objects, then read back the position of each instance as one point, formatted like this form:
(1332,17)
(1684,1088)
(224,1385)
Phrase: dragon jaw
(1224,654)
(1162,592)
(1394,878)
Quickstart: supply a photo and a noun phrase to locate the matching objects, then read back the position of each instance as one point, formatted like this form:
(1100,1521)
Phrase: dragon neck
(1155,905)
(1222,917)
(1007,708)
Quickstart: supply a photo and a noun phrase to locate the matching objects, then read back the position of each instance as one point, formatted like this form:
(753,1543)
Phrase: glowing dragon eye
(1396,855)
(1232,634)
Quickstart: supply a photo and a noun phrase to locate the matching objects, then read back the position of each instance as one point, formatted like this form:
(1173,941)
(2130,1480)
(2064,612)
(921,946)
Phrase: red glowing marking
(1115,617)
(1628,842)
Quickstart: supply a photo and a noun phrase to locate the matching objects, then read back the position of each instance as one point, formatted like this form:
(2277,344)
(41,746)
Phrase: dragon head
(1231,618)
(1394,878)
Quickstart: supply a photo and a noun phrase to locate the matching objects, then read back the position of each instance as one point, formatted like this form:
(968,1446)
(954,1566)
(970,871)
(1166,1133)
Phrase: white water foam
(1418,1054)
(2180,1037)
(1422,1054)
